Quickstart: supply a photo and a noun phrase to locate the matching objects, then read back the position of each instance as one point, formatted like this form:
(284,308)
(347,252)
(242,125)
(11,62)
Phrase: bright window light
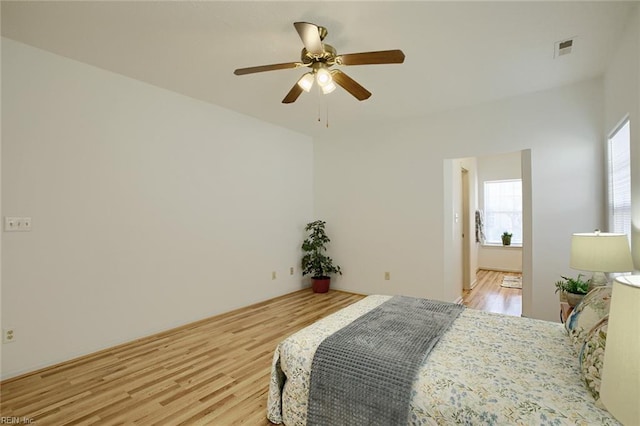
(503,210)
(620,180)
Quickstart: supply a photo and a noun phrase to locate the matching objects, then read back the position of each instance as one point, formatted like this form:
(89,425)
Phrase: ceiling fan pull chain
(327,115)
(319,105)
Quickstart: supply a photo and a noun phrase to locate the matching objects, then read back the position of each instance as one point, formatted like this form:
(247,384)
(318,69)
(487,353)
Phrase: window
(620,180)
(503,210)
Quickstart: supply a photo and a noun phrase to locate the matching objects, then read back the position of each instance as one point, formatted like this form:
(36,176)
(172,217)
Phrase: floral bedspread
(488,369)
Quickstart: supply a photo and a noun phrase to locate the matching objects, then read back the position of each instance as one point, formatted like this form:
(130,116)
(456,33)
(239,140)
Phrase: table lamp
(620,386)
(600,252)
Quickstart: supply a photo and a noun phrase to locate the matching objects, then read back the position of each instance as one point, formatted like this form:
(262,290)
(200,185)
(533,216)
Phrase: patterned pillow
(592,356)
(593,307)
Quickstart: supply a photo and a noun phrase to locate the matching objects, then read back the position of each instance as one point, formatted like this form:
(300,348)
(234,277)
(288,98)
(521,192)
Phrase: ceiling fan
(319,58)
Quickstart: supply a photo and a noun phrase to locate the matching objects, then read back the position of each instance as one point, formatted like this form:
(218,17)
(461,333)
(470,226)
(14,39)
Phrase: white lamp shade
(306,82)
(601,252)
(328,88)
(620,386)
(323,76)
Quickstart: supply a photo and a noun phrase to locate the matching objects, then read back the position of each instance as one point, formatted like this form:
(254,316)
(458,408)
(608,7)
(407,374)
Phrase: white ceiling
(457,53)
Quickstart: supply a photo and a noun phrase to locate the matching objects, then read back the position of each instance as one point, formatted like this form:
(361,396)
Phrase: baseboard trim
(500,270)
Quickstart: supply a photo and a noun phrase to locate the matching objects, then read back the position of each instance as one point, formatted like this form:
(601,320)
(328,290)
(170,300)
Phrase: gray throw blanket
(363,373)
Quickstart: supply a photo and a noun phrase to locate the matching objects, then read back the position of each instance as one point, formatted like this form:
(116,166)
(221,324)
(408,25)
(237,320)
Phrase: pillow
(592,356)
(593,307)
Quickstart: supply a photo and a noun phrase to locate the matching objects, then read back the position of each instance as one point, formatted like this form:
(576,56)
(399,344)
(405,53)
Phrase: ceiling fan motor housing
(328,55)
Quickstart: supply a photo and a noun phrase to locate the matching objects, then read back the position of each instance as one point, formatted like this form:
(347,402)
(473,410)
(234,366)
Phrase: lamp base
(598,279)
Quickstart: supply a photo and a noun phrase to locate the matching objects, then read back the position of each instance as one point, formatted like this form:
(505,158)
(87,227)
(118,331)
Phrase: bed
(485,369)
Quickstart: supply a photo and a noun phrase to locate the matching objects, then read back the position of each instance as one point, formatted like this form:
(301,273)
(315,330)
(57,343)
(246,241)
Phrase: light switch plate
(17,224)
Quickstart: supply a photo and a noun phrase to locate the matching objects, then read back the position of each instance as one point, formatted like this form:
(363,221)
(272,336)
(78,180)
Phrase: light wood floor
(215,371)
(489,296)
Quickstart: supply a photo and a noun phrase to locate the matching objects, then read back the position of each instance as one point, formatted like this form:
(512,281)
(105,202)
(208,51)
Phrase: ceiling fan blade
(293,94)
(310,37)
(262,68)
(350,85)
(368,58)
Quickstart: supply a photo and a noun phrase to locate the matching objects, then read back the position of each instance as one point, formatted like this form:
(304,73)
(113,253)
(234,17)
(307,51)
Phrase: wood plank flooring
(213,372)
(489,296)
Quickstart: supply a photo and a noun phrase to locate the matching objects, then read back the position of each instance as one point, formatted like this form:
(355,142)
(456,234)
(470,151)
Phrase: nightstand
(565,310)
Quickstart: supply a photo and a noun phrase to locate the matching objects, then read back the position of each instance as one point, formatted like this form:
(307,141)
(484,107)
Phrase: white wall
(1,236)
(499,258)
(381,188)
(150,209)
(498,167)
(622,98)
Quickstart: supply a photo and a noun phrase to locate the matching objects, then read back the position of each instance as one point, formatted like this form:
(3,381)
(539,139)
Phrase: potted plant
(574,289)
(506,238)
(315,262)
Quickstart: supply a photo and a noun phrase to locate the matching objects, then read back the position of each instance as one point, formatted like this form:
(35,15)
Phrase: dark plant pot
(506,241)
(320,284)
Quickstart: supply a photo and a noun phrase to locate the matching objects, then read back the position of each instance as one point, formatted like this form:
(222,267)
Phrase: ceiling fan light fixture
(328,88)
(323,77)
(318,58)
(306,82)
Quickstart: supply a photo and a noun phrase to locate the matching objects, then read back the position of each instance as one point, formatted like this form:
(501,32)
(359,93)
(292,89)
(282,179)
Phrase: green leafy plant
(573,285)
(315,262)
(506,238)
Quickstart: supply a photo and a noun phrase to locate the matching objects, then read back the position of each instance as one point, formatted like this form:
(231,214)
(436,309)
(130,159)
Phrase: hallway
(488,295)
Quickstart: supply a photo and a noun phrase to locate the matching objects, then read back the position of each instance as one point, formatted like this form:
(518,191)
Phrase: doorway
(466,236)
(463,243)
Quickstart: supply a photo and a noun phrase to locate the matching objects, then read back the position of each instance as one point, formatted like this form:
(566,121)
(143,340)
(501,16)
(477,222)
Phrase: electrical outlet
(291,270)
(8,335)
(273,275)
(387,276)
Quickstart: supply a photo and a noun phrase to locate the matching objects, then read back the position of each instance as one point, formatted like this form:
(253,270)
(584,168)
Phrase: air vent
(563,47)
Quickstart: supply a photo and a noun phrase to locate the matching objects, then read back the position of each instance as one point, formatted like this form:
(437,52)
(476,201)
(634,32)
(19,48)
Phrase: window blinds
(620,181)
